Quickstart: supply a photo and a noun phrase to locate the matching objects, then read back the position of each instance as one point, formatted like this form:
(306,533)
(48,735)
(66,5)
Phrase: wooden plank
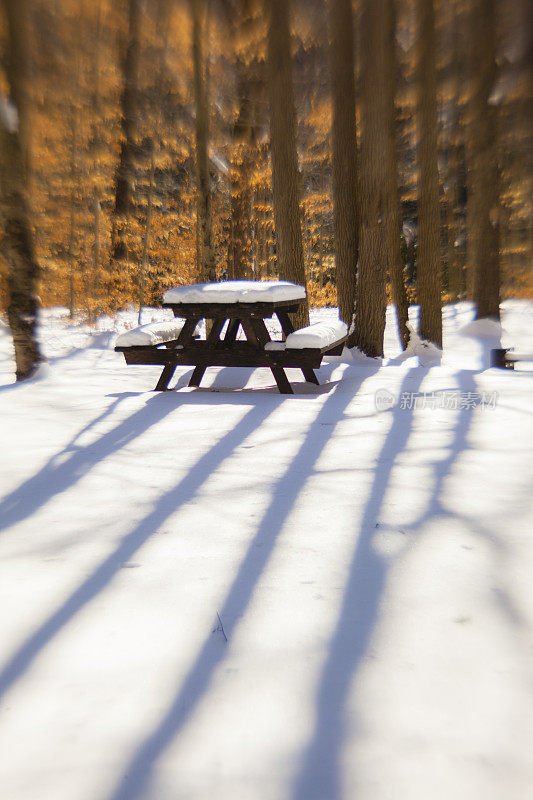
(232,310)
(242,355)
(336,350)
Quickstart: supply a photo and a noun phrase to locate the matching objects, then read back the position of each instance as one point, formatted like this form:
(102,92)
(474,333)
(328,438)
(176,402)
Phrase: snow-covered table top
(235,292)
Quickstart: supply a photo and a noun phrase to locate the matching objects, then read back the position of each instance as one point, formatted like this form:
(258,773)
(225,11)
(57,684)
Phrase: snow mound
(428,353)
(235,292)
(482,328)
(354,356)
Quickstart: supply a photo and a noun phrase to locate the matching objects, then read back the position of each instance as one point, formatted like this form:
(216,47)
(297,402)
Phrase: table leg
(260,330)
(197,375)
(281,380)
(257,334)
(310,376)
(185,337)
(231,333)
(164,380)
(250,333)
(286,323)
(214,335)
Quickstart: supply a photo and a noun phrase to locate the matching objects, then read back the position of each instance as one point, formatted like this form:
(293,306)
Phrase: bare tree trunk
(96,62)
(344,155)
(371,302)
(15,168)
(483,199)
(455,269)
(126,166)
(95,282)
(392,202)
(284,156)
(72,220)
(240,246)
(204,208)
(429,270)
(146,239)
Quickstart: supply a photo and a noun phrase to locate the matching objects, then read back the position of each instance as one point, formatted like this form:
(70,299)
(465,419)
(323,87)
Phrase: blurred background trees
(159,114)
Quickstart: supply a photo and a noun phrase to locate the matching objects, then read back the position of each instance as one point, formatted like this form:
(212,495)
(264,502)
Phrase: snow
(483,327)
(235,292)
(152,333)
(320,334)
(232,593)
(428,353)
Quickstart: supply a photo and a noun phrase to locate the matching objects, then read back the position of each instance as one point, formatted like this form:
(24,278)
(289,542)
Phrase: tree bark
(371,302)
(129,101)
(428,268)
(483,197)
(204,207)
(284,156)
(455,267)
(15,170)
(392,202)
(344,155)
(240,245)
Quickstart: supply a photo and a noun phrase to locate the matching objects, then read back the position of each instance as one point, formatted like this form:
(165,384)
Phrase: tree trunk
(392,202)
(483,197)
(73,177)
(284,156)
(455,267)
(240,245)
(428,269)
(344,155)
(126,167)
(371,302)
(204,209)
(146,239)
(15,168)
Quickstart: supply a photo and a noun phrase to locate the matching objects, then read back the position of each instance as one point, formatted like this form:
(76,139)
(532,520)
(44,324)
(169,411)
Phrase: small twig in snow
(221,628)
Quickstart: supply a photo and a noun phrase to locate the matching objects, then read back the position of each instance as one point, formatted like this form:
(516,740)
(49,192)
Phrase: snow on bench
(235,292)
(152,334)
(319,336)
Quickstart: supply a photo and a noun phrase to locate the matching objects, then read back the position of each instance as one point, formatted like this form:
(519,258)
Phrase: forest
(374,151)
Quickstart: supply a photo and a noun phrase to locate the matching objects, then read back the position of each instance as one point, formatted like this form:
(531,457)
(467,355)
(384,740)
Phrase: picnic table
(231,305)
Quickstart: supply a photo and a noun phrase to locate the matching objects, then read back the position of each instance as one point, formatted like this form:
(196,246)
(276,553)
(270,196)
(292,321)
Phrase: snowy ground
(230,594)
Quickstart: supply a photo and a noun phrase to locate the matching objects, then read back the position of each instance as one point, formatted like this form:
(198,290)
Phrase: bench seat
(321,336)
(151,335)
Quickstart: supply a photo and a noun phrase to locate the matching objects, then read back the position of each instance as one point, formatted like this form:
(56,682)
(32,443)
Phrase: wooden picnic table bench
(232,305)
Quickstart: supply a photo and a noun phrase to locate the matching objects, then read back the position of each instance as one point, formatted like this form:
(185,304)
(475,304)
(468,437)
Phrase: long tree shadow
(319,774)
(468,388)
(20,662)
(55,477)
(58,475)
(285,493)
